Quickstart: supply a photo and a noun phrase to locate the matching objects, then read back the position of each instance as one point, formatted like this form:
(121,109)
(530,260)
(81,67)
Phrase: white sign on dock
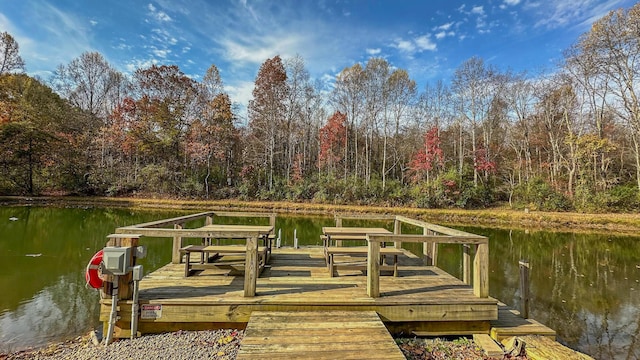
(149,311)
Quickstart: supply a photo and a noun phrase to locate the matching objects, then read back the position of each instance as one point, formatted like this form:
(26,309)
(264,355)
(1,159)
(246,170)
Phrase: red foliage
(332,139)
(429,156)
(482,163)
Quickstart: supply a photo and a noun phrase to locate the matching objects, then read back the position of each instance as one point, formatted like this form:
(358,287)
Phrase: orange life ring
(92,275)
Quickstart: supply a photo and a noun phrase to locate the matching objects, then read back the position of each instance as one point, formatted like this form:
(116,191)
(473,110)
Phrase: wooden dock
(420,297)
(309,335)
(292,306)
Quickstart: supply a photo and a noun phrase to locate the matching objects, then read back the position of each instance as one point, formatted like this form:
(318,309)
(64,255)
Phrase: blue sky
(428,38)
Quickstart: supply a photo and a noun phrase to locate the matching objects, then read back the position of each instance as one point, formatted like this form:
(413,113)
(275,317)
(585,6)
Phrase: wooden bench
(263,254)
(331,251)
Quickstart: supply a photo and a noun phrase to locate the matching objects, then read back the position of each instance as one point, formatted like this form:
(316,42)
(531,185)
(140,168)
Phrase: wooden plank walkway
(317,335)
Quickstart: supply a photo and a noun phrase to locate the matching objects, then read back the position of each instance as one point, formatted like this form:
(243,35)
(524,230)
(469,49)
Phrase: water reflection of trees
(62,310)
(582,285)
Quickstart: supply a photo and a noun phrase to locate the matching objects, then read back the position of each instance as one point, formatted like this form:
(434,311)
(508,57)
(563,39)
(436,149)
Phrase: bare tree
(88,82)
(10,60)
(267,111)
(611,54)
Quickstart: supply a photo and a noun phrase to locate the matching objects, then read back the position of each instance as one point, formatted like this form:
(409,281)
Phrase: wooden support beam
(481,271)
(251,267)
(524,288)
(176,257)
(373,269)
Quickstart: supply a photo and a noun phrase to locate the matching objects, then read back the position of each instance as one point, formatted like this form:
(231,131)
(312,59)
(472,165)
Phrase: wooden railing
(178,232)
(432,236)
(480,260)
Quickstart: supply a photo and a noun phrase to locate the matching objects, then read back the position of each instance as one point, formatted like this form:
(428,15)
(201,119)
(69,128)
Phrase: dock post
(295,238)
(176,257)
(524,288)
(279,239)
(429,249)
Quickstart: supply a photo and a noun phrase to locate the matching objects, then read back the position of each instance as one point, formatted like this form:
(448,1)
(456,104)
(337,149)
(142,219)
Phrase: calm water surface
(586,286)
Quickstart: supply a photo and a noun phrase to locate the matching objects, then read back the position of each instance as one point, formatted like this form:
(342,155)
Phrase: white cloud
(93,22)
(478,10)
(161,53)
(374,51)
(512,2)
(415,45)
(136,64)
(444,27)
(425,43)
(405,45)
(161,16)
(255,49)
(443,34)
(240,92)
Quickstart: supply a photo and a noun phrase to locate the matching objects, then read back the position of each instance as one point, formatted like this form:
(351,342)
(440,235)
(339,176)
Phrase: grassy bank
(493,217)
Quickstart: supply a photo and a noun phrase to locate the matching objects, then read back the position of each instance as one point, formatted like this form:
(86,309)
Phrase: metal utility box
(138,272)
(117,260)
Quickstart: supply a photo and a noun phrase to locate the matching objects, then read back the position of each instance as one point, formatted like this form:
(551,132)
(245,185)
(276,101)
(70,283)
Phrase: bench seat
(331,251)
(240,250)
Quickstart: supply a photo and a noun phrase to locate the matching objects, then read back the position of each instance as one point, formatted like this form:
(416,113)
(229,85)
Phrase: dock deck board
(308,335)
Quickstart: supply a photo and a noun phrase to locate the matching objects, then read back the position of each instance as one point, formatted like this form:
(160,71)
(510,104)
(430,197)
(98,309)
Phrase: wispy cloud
(373,52)
(562,13)
(56,37)
(158,15)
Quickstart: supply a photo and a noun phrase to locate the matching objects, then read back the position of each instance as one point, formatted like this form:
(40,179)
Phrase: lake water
(585,286)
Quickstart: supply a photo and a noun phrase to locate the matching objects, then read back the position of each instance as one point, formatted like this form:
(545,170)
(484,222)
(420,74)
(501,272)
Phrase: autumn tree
(40,138)
(401,96)
(267,116)
(10,59)
(474,89)
(428,158)
(211,138)
(332,140)
(610,52)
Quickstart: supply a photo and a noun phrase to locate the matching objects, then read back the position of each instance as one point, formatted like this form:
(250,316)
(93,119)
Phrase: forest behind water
(566,139)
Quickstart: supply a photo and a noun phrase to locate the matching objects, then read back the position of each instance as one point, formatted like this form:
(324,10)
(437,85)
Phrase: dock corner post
(176,258)
(373,269)
(251,267)
(524,288)
(481,270)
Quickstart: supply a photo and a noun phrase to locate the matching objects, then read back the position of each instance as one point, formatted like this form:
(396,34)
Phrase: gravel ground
(222,345)
(180,345)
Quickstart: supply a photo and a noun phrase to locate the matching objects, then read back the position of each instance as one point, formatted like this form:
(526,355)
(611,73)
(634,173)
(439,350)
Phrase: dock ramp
(317,335)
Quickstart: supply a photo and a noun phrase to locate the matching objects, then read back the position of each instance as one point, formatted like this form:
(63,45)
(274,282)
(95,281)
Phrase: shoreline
(501,217)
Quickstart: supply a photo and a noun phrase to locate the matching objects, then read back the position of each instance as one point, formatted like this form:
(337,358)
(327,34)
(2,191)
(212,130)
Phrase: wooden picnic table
(344,233)
(250,234)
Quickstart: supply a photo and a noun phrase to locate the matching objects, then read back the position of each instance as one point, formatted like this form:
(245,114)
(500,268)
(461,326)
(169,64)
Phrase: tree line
(565,140)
